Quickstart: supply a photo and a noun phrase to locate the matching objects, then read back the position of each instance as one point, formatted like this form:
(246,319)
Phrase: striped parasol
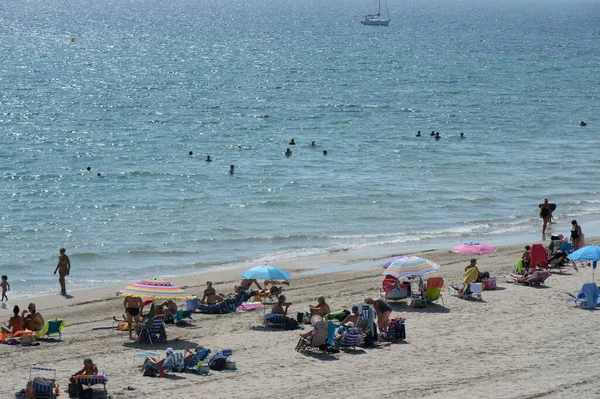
(409,266)
(156,289)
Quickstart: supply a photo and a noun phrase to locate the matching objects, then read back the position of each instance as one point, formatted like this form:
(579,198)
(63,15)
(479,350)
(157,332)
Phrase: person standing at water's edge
(64,269)
(545,214)
(576,235)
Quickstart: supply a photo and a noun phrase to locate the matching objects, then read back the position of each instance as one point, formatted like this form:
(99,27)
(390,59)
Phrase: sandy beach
(519,342)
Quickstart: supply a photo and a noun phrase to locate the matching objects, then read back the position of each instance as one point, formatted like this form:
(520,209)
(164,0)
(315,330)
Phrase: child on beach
(5,287)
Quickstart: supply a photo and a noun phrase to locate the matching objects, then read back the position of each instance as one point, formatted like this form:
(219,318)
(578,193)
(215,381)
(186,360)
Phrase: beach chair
(89,380)
(51,327)
(153,331)
(180,315)
(39,387)
(394,290)
(196,358)
(433,290)
(366,322)
(588,296)
(218,361)
(324,335)
(352,338)
(469,291)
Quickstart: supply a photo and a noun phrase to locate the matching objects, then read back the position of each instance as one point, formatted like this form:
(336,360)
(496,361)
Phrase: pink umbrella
(473,248)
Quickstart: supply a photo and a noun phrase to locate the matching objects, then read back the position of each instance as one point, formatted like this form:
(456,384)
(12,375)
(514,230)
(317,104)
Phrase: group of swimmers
(288,152)
(436,135)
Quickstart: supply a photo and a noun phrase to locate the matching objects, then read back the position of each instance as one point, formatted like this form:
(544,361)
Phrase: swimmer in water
(239,147)
(232,170)
(419,133)
(191,153)
(89,169)
(292,142)
(432,133)
(312,144)
(324,152)
(288,152)
(99,174)
(462,135)
(582,123)
(437,135)
(208,159)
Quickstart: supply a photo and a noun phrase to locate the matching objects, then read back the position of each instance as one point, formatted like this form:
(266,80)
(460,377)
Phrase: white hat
(169,350)
(349,324)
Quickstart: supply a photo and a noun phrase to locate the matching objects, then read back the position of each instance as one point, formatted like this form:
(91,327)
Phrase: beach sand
(519,342)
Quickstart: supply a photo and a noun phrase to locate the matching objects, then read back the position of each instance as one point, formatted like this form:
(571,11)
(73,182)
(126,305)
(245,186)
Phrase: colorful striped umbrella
(473,248)
(409,266)
(156,289)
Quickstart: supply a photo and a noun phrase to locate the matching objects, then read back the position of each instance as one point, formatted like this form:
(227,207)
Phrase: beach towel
(471,275)
(537,255)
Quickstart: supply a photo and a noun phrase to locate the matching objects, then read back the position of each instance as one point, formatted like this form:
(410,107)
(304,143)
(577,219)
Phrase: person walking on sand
(545,214)
(5,287)
(64,269)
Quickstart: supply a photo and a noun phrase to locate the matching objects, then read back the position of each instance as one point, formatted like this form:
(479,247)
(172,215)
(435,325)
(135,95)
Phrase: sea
(129,88)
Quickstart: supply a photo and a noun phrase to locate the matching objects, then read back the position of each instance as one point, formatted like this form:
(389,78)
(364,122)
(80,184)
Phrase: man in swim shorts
(133,306)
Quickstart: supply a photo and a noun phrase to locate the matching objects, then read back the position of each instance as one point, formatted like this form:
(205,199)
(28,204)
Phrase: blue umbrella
(591,252)
(266,272)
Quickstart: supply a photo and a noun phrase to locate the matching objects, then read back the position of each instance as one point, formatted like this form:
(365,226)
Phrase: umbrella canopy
(473,248)
(156,289)
(591,252)
(409,266)
(266,272)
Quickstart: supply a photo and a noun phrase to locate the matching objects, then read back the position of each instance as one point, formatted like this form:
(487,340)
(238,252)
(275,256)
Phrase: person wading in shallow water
(64,269)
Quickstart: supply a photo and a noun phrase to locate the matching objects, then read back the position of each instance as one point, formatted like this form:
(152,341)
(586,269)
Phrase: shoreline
(496,368)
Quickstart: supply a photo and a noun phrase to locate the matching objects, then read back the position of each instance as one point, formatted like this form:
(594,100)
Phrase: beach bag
(300,318)
(218,364)
(290,324)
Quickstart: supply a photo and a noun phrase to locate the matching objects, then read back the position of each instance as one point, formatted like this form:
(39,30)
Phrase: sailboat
(376,19)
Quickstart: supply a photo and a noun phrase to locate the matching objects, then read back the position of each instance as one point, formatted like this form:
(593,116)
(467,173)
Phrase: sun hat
(349,324)
(169,350)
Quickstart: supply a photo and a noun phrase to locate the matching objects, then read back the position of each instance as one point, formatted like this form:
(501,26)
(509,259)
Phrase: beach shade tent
(155,289)
(266,272)
(591,253)
(409,266)
(537,255)
(473,248)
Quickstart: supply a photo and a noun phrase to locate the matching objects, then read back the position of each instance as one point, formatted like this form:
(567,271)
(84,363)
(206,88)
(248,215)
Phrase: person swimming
(208,158)
(232,169)
(437,135)
(288,152)
(99,174)
(432,133)
(419,133)
(292,142)
(582,123)
(462,135)
(191,153)
(312,144)
(324,152)
(89,168)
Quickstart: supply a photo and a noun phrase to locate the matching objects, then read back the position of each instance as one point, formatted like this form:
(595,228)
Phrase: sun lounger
(588,296)
(470,291)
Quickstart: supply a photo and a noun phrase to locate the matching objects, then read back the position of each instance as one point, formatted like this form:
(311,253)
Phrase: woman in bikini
(63,268)
(133,306)
(545,214)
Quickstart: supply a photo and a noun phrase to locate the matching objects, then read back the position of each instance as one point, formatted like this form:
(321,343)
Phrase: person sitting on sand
(160,364)
(246,283)
(133,306)
(33,320)
(16,323)
(321,308)
(353,317)
(525,256)
(210,295)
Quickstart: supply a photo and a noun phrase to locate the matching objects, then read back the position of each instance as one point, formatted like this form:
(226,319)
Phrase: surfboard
(552,206)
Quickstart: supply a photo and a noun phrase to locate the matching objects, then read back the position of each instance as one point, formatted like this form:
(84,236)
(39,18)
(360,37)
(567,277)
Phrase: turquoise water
(145,83)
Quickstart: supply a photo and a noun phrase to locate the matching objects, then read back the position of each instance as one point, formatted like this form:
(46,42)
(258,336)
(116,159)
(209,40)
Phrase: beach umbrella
(266,272)
(155,289)
(473,248)
(409,266)
(591,252)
